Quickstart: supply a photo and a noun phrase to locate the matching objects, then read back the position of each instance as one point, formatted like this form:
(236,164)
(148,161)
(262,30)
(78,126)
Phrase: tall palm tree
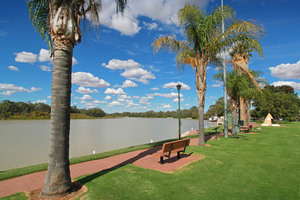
(240,55)
(204,41)
(58,22)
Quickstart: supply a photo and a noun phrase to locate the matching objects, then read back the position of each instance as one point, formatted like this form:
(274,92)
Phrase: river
(26,142)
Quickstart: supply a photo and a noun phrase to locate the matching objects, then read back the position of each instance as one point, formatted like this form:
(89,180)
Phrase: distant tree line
(185,113)
(21,110)
(11,110)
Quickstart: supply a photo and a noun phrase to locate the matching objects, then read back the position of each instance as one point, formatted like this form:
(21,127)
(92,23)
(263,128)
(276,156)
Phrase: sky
(115,68)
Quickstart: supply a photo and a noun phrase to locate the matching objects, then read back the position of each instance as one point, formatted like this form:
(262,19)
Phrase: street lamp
(179,123)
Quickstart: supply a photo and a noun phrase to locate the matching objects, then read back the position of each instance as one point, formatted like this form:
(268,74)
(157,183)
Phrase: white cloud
(108,97)
(132,70)
(286,71)
(84,90)
(293,84)
(138,74)
(88,80)
(13,68)
(219,84)
(45,68)
(125,23)
(144,100)
(114,103)
(112,91)
(128,83)
(85,97)
(74,61)
(10,89)
(173,85)
(92,104)
(25,57)
(176,100)
(164,11)
(44,56)
(150,26)
(40,101)
(154,89)
(166,105)
(167,95)
(121,64)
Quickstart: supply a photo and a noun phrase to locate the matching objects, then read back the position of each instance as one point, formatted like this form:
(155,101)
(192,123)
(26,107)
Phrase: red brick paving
(142,158)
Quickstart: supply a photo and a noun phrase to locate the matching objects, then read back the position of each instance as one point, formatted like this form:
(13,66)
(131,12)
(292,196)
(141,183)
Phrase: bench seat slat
(177,147)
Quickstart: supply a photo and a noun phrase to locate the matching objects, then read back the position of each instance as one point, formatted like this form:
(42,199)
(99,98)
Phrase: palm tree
(58,22)
(236,82)
(240,55)
(204,41)
(250,92)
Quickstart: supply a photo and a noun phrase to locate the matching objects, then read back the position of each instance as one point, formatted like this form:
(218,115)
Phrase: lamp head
(178,87)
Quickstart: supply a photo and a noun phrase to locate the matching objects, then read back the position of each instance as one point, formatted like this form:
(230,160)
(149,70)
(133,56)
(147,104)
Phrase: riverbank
(253,166)
(7,174)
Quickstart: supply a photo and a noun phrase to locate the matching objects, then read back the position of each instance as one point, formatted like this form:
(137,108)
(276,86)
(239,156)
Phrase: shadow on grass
(91,177)
(141,155)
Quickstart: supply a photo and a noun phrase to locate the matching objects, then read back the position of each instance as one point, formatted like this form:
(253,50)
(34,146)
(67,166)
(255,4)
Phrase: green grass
(256,166)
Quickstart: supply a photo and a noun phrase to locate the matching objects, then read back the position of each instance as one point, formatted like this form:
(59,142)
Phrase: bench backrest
(178,144)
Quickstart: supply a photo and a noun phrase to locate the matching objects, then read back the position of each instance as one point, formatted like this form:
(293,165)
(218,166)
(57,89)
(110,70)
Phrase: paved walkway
(141,158)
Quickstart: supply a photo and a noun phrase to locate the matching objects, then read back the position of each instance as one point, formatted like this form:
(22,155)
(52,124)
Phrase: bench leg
(178,154)
(161,159)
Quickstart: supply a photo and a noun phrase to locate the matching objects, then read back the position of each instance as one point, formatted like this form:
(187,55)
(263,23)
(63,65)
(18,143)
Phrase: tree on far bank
(58,22)
(205,41)
(217,109)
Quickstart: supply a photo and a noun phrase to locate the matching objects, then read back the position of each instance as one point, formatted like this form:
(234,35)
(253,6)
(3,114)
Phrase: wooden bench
(172,147)
(246,128)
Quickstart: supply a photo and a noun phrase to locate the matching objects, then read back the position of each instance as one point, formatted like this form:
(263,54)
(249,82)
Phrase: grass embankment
(255,166)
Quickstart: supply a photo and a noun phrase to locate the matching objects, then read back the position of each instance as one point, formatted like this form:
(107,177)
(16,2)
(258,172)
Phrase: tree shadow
(93,176)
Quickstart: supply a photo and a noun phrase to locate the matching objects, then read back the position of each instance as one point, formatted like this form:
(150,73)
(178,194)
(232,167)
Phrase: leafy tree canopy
(281,101)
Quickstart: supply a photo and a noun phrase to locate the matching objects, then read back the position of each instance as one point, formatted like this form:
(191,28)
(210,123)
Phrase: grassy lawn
(256,166)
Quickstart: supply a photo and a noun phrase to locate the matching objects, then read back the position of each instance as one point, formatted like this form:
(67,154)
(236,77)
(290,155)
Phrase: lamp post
(179,123)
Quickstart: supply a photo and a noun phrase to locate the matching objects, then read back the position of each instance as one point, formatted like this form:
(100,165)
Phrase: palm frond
(170,44)
(247,72)
(121,5)
(38,14)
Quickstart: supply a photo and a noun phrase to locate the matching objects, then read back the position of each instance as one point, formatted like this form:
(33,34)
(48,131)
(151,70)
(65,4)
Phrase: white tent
(269,121)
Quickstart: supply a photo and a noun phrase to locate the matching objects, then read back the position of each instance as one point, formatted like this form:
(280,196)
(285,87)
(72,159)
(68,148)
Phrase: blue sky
(118,71)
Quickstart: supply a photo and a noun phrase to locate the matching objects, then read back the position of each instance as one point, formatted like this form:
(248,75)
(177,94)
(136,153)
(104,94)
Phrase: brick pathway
(142,158)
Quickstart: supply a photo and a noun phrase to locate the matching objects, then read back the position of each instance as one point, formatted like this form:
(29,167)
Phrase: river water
(26,142)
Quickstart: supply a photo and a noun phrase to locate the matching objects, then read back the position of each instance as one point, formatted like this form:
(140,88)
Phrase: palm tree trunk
(248,112)
(58,180)
(243,110)
(201,89)
(233,121)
